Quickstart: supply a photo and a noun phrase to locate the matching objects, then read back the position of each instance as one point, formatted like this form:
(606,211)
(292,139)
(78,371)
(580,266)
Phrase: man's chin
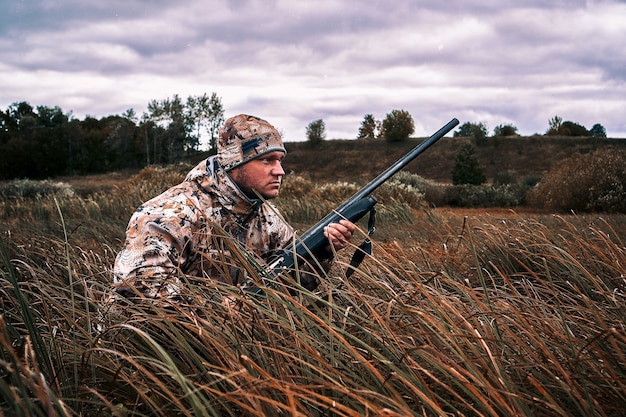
(268,195)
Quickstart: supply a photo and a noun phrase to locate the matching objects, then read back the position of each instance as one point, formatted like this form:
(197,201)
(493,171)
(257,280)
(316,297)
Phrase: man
(181,232)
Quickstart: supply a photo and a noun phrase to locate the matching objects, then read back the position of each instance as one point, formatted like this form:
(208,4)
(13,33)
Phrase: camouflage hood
(214,180)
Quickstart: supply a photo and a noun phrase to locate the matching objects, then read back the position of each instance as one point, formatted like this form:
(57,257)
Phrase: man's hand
(339,234)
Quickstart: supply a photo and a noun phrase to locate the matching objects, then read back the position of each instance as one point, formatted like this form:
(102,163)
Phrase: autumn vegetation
(502,298)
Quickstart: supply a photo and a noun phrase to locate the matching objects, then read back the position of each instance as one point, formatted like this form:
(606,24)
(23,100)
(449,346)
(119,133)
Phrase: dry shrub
(337,192)
(296,186)
(31,188)
(404,188)
(508,176)
(303,202)
(502,316)
(160,178)
(589,182)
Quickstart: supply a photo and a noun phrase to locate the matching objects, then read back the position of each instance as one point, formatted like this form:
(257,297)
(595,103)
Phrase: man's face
(261,175)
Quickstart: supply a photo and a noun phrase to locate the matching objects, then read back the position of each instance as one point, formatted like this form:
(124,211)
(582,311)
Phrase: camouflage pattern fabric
(245,137)
(179,233)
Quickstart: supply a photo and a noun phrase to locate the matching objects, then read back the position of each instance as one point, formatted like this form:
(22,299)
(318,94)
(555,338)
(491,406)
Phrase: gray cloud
(518,62)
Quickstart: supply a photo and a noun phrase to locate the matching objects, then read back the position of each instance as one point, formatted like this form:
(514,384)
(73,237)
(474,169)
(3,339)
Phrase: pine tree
(467,168)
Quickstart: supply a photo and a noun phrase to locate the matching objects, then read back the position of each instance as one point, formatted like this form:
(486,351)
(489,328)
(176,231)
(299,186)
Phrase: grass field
(468,312)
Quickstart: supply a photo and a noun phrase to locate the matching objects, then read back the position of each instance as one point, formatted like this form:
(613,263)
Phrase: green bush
(598,131)
(398,126)
(466,195)
(589,182)
(472,130)
(505,130)
(567,128)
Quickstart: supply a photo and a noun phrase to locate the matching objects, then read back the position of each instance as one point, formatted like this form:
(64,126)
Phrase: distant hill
(362,160)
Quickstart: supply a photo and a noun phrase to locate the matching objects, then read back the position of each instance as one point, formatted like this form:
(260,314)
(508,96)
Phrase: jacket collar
(214,180)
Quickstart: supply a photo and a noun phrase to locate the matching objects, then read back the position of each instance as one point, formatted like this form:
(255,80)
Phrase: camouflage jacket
(179,232)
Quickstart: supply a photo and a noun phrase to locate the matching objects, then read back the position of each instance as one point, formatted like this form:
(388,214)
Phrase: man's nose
(278,169)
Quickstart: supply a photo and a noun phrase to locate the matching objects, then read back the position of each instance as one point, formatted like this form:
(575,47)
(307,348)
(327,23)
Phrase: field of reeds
(459,312)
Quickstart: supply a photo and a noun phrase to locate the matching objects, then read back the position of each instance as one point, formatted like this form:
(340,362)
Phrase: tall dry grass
(473,314)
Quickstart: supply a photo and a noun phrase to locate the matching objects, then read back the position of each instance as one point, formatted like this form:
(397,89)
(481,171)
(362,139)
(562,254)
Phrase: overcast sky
(295,61)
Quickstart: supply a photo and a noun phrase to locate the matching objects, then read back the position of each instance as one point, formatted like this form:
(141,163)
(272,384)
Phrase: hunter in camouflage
(180,231)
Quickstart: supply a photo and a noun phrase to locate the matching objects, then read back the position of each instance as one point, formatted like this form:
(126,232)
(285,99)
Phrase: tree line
(42,141)
(398,125)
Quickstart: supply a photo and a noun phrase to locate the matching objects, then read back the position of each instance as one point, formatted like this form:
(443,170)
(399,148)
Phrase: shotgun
(312,243)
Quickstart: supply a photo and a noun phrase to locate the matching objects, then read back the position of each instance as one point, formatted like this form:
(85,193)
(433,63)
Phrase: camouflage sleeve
(157,246)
